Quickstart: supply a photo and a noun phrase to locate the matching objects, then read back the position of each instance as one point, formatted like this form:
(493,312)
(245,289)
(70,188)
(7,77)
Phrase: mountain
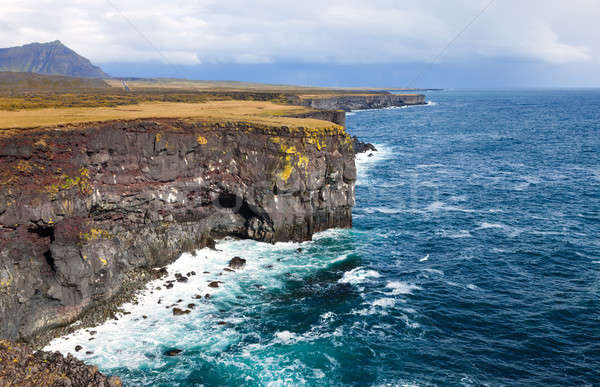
(48,58)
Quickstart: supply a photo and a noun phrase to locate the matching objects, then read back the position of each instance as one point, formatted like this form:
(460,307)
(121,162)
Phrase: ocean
(474,260)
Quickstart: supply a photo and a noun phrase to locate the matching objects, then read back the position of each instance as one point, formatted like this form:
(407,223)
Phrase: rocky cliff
(84,208)
(20,366)
(360,101)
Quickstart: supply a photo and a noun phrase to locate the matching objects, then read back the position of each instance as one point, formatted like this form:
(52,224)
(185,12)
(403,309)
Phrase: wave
(510,231)
(438,206)
(485,225)
(434,271)
(399,287)
(424,166)
(384,302)
(358,275)
(148,327)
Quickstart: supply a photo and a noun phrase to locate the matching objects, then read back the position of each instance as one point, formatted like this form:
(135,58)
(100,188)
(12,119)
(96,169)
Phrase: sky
(382,43)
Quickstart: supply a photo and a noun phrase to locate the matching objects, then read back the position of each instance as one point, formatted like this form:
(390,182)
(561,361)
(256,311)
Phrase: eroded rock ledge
(84,206)
(20,366)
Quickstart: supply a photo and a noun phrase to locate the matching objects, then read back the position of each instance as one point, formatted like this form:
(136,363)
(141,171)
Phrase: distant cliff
(359,101)
(48,58)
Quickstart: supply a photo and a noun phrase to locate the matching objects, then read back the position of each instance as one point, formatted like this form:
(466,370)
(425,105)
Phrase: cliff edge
(85,208)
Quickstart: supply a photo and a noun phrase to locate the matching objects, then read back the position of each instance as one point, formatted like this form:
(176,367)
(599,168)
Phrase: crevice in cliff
(46,232)
(238,205)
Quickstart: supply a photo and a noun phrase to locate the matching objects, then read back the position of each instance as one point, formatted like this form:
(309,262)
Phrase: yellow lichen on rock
(201,140)
(41,142)
(94,234)
(67,182)
(24,166)
(291,153)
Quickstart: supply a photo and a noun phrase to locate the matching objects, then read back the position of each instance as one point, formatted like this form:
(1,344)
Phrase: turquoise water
(474,259)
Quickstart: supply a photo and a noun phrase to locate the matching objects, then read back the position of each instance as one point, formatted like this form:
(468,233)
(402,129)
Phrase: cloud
(308,31)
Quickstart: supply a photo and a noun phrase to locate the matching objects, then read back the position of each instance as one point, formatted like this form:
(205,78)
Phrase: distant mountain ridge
(53,58)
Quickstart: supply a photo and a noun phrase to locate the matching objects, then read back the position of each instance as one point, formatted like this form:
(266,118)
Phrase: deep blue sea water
(474,260)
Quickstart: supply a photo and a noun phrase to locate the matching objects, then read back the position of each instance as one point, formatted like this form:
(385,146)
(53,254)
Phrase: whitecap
(423,166)
(384,302)
(434,271)
(399,287)
(383,210)
(438,205)
(358,276)
(286,337)
(425,258)
(484,225)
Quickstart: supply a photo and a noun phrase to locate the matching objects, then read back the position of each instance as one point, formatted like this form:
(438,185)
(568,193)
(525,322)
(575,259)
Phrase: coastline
(133,282)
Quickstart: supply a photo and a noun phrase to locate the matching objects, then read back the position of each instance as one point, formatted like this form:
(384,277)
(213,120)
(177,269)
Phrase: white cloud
(325,31)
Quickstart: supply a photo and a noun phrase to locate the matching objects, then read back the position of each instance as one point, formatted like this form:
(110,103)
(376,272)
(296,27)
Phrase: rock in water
(237,263)
(179,312)
(20,366)
(361,147)
(173,352)
(214,284)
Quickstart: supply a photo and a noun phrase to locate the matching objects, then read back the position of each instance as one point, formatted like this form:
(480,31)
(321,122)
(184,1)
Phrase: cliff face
(83,207)
(356,102)
(20,366)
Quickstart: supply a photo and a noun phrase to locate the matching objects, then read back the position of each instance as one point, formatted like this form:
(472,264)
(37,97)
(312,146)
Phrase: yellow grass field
(262,112)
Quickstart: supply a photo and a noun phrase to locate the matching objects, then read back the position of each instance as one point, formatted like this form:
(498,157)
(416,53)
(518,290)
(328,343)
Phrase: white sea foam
(363,162)
(384,302)
(358,275)
(424,166)
(454,234)
(425,258)
(383,210)
(510,231)
(134,340)
(399,287)
(484,225)
(286,337)
(434,271)
(439,206)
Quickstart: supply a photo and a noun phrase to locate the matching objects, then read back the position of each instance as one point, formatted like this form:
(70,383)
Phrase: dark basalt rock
(179,312)
(361,147)
(20,366)
(214,284)
(87,213)
(237,263)
(180,278)
(172,352)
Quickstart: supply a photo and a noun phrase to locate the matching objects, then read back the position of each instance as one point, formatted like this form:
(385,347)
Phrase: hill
(31,81)
(48,58)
